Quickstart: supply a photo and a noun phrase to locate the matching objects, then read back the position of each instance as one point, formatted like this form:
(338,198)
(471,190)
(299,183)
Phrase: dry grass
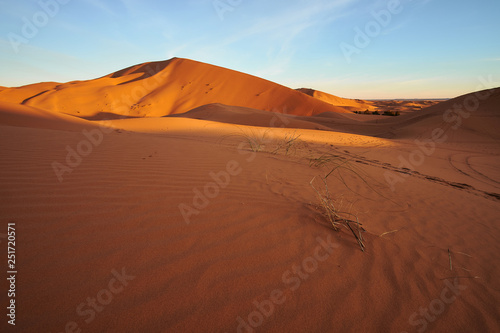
(264,143)
(337,211)
(318,162)
(291,140)
(254,144)
(336,214)
(388,232)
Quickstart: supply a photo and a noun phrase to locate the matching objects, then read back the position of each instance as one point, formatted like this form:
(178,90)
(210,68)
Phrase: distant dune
(350,104)
(466,118)
(358,105)
(481,127)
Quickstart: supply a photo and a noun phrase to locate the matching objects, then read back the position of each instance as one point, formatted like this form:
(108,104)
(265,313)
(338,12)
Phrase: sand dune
(163,88)
(12,114)
(206,221)
(351,104)
(22,94)
(469,119)
(359,105)
(461,118)
(246,116)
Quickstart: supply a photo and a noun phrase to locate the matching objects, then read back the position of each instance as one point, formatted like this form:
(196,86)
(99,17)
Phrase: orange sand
(358,105)
(254,254)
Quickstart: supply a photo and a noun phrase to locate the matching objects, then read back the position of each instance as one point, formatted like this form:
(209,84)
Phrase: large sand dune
(206,221)
(163,88)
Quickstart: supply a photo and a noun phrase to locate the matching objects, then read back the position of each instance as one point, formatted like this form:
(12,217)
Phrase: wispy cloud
(37,64)
(175,51)
(298,19)
(102,6)
(421,81)
(278,34)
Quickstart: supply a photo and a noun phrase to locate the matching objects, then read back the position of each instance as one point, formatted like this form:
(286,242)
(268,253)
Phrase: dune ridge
(162,88)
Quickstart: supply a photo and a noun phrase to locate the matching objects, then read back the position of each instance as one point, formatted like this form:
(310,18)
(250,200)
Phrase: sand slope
(162,88)
(462,122)
(469,118)
(351,104)
(12,114)
(359,105)
(247,116)
(206,221)
(119,210)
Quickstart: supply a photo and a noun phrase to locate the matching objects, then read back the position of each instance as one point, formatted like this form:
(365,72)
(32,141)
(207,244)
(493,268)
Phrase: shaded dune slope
(247,116)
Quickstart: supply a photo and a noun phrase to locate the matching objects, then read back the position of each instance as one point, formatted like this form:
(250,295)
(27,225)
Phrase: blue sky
(418,49)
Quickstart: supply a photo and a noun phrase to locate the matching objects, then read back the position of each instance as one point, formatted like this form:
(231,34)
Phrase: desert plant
(328,158)
(375,112)
(392,113)
(335,214)
(320,161)
(333,209)
(289,141)
(255,141)
(258,141)
(254,144)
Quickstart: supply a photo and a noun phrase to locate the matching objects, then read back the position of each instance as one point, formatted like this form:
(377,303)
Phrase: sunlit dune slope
(472,117)
(163,88)
(12,114)
(381,105)
(247,116)
(21,95)
(350,104)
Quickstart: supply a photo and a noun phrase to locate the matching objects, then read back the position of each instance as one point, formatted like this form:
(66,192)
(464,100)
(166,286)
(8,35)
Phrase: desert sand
(176,197)
(381,105)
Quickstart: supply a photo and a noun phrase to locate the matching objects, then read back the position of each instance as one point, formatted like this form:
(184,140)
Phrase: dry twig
(337,217)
